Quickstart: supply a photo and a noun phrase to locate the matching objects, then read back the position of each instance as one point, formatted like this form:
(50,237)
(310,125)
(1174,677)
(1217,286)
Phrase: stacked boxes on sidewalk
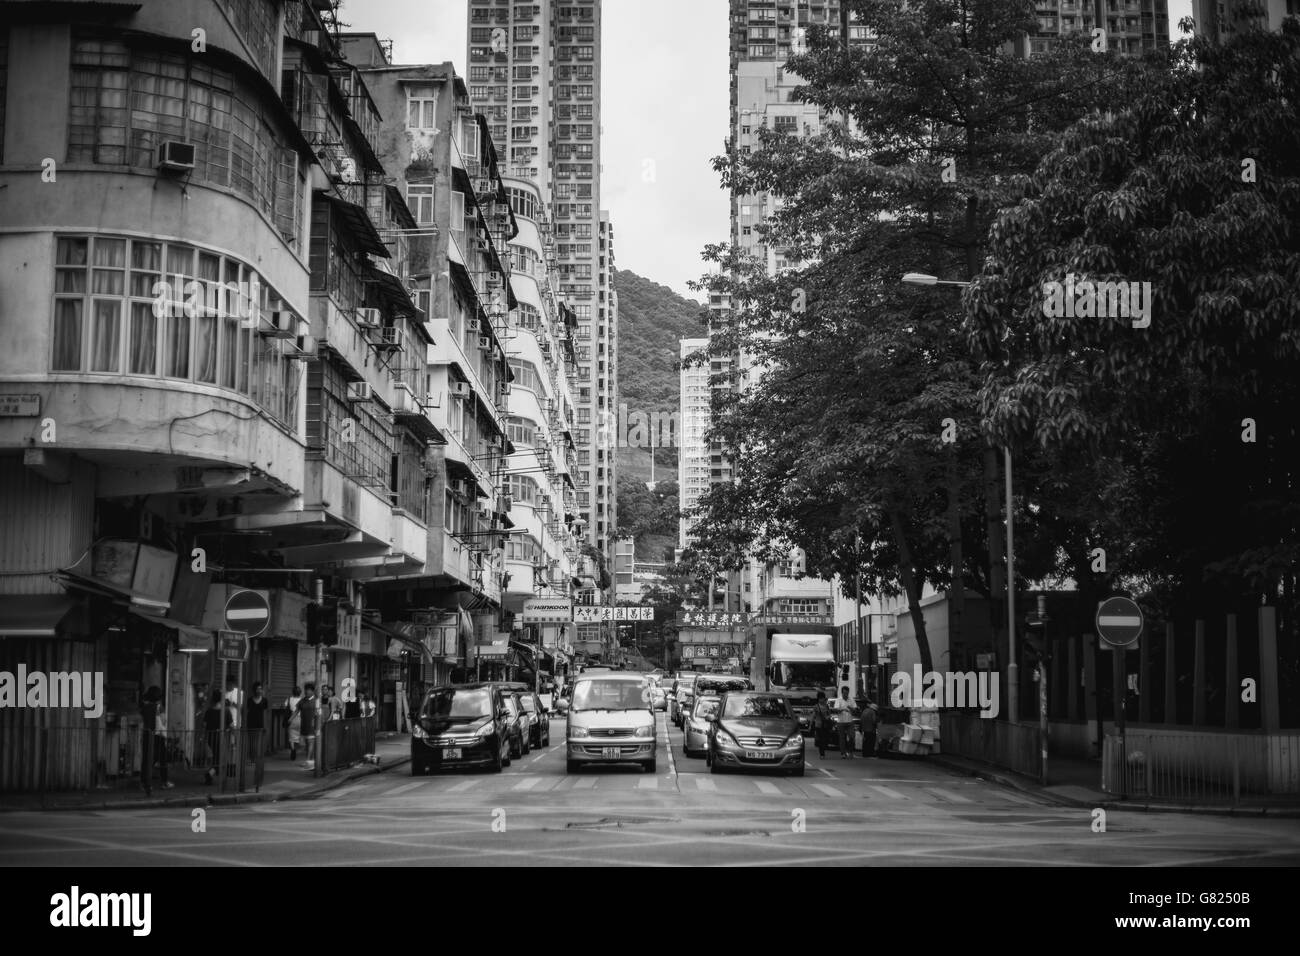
(921,732)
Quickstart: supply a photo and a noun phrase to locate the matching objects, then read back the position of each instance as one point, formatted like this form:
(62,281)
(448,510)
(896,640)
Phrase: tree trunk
(997,555)
(907,573)
(957,592)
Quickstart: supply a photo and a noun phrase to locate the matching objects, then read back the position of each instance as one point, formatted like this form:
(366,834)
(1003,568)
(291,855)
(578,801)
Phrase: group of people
(305,712)
(837,715)
(233,711)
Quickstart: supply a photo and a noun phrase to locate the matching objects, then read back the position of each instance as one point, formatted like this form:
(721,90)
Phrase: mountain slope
(651,320)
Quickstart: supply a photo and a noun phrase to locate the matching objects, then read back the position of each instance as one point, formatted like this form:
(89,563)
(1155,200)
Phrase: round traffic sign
(249,612)
(1119,621)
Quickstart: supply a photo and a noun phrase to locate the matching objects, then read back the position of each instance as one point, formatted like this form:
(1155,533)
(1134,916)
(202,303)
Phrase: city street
(855,812)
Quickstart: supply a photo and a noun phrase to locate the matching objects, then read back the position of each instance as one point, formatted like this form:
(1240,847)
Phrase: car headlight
(796,740)
(724,737)
(486,730)
(644,732)
(417,731)
(578,732)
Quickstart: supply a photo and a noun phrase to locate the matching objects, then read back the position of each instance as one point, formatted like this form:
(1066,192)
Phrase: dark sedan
(754,731)
(461,725)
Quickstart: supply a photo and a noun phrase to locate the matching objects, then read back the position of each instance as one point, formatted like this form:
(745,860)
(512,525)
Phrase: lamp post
(1013,669)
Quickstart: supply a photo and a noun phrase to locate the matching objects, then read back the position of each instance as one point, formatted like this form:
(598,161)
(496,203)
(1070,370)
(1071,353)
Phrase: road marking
(648,783)
(463,786)
(537,758)
(889,792)
(825,771)
(827,789)
(584,783)
(705,784)
(948,795)
(335,794)
(527,783)
(766,786)
(404,788)
(1016,798)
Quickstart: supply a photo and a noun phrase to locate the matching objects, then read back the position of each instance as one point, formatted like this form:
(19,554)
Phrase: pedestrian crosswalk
(695,782)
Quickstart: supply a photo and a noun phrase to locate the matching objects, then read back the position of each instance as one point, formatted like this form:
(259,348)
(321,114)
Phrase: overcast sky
(664,99)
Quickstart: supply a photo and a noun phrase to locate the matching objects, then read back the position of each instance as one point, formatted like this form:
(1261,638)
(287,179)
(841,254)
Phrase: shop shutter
(284,660)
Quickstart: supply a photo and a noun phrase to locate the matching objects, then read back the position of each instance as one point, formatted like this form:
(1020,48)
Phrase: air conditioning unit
(485,514)
(505,388)
(483,187)
(472,324)
(494,280)
(368,318)
(347,170)
(504,503)
(360,392)
(389,338)
(280,324)
(175,156)
(481,245)
(305,346)
(459,389)
(485,343)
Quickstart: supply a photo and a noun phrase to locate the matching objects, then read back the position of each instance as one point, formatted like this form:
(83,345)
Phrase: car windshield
(706,706)
(510,704)
(529,705)
(805,673)
(600,694)
(456,704)
(757,707)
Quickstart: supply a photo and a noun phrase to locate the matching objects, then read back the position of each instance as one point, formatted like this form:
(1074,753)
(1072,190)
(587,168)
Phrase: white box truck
(797,665)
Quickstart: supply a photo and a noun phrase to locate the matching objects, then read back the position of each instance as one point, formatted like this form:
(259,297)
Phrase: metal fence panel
(1011,746)
(1200,767)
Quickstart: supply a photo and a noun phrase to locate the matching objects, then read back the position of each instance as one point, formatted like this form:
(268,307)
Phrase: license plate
(614,752)
(451,753)
(758,755)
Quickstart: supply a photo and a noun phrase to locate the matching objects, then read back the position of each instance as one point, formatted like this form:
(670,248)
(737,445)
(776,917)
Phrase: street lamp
(1013,669)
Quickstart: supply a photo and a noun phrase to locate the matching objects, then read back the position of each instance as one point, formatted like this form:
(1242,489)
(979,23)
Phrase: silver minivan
(611,720)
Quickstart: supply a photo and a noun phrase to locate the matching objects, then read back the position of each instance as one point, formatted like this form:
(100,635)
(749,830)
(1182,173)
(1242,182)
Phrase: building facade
(535,72)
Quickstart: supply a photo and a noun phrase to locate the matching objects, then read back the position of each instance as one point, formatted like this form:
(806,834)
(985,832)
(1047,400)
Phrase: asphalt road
(847,812)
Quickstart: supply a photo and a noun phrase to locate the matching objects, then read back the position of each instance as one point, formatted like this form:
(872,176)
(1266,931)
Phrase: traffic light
(313,623)
(1033,650)
(323,622)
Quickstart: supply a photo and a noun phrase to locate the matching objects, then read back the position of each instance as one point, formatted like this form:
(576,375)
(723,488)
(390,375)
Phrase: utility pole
(857,569)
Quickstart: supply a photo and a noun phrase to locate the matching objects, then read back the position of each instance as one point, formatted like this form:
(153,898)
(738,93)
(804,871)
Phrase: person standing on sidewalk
(212,732)
(843,709)
(255,721)
(821,722)
(153,742)
(293,721)
(869,719)
(309,711)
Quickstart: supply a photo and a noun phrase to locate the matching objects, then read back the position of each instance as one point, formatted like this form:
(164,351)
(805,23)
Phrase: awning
(395,632)
(358,223)
(33,615)
(391,289)
(99,586)
(193,639)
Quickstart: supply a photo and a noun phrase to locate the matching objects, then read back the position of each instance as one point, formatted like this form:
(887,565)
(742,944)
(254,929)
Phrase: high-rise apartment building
(1220,19)
(534,72)
(693,455)
(1131,25)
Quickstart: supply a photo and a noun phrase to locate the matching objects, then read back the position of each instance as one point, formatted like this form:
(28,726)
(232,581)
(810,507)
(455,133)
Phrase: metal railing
(345,742)
(1200,766)
(1011,746)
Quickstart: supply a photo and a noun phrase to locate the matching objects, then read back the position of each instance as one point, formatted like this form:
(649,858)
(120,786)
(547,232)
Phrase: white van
(611,720)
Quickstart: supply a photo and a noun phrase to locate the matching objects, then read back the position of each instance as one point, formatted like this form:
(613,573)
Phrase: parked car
(660,697)
(755,730)
(540,729)
(610,720)
(461,725)
(696,731)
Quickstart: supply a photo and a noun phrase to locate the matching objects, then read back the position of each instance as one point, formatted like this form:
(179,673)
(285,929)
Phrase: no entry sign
(248,611)
(1119,621)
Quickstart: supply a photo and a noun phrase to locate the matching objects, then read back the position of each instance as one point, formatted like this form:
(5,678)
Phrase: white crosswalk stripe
(705,784)
(766,787)
(948,795)
(404,788)
(343,792)
(584,783)
(527,783)
(648,783)
(463,785)
(827,789)
(1016,798)
(889,792)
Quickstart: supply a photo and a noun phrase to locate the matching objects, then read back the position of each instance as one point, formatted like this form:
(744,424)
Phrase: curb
(1107,802)
(269,795)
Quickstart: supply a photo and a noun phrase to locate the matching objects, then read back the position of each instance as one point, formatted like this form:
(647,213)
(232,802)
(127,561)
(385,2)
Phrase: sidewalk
(281,780)
(1076,782)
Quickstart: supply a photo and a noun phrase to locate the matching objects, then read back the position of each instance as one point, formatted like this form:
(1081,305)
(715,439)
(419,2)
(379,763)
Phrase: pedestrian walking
(821,722)
(255,721)
(331,707)
(843,709)
(870,717)
(351,705)
(309,710)
(153,742)
(232,734)
(293,721)
(212,733)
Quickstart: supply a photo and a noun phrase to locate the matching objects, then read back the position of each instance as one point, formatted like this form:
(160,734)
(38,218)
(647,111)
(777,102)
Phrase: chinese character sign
(713,619)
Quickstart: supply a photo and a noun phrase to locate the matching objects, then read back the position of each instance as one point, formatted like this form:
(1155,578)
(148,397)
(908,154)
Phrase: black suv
(512,696)
(463,725)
